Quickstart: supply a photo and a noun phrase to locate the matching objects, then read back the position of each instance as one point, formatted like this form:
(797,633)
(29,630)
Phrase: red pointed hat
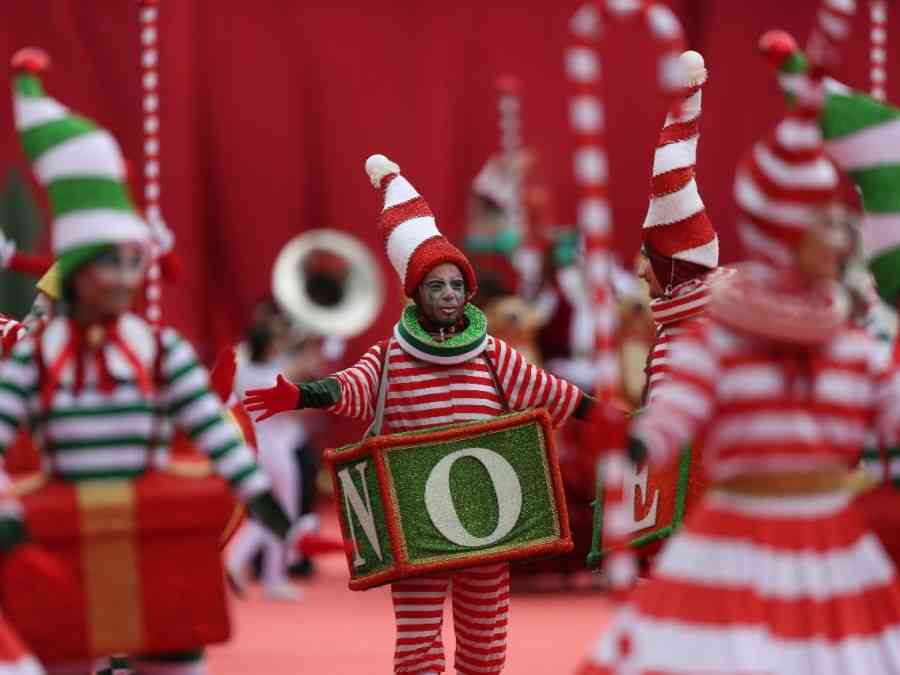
(414,244)
(676,225)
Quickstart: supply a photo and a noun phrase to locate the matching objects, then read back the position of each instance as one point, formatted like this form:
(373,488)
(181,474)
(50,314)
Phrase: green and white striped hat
(80,165)
(862,136)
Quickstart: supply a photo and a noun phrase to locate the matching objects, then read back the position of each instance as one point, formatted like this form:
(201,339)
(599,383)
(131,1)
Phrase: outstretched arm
(682,403)
(351,392)
(526,386)
(196,410)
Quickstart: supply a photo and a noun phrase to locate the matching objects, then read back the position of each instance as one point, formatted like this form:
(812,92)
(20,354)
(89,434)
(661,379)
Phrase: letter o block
(450,498)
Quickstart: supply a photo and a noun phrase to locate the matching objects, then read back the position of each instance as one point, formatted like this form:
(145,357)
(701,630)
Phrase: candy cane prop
(587,119)
(834,20)
(878,13)
(149,14)
(832,30)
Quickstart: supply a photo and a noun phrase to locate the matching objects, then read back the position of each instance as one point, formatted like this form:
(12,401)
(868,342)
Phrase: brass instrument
(328,283)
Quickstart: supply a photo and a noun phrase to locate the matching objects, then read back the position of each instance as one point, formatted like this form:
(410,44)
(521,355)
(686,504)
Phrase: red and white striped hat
(676,225)
(785,181)
(414,244)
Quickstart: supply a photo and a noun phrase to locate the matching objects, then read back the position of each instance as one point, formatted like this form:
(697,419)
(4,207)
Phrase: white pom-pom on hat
(693,68)
(379,166)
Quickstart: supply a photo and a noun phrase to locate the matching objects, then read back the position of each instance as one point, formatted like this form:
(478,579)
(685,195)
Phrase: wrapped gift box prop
(449,498)
(658,498)
(144,561)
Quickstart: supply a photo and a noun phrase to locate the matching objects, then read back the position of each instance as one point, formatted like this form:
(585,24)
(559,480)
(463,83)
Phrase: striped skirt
(762,586)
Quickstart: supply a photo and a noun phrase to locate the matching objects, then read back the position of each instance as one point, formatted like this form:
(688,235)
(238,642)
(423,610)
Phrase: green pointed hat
(79,164)
(862,136)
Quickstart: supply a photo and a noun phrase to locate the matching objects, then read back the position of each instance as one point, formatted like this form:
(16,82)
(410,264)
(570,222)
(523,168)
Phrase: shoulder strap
(378,422)
(504,401)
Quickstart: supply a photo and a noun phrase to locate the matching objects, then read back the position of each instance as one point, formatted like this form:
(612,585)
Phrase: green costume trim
(472,339)
(319,394)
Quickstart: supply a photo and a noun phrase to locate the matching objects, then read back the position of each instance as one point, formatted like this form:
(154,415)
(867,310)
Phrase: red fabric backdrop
(269,109)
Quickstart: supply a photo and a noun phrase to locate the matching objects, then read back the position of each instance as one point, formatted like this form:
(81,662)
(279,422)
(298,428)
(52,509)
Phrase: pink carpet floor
(333,631)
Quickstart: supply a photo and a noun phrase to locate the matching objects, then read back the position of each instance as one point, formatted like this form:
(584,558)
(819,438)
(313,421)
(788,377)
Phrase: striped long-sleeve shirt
(91,431)
(762,411)
(422,395)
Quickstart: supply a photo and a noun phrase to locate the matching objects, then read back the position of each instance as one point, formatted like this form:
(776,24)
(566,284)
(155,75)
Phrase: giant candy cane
(832,30)
(587,119)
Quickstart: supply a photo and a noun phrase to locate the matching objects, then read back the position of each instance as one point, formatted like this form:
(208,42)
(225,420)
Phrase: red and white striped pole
(587,119)
(149,25)
(878,16)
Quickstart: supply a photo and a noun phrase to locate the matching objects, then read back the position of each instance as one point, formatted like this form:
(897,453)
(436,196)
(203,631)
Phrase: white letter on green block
(354,505)
(633,481)
(439,501)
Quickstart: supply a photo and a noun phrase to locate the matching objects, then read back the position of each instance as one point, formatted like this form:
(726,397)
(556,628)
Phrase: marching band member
(439,367)
(96,380)
(776,571)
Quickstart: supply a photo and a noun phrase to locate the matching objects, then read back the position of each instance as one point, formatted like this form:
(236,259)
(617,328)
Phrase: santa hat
(414,244)
(785,182)
(676,225)
(862,136)
(79,164)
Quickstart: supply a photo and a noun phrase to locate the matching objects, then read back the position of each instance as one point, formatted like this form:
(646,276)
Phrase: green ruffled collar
(458,348)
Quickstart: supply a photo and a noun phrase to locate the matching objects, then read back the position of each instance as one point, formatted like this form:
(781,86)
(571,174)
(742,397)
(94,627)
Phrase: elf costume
(437,376)
(678,237)
(775,572)
(681,246)
(103,398)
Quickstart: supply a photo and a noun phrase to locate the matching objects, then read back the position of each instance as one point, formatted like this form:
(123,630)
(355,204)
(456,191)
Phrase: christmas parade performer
(99,386)
(441,367)
(680,247)
(776,571)
(680,253)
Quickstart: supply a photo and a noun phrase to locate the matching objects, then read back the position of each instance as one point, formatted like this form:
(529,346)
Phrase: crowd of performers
(778,375)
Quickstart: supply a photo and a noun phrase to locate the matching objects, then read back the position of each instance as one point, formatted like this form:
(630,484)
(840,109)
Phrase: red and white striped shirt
(421,395)
(673,316)
(760,411)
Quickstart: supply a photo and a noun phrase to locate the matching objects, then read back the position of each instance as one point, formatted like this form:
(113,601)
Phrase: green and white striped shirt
(108,434)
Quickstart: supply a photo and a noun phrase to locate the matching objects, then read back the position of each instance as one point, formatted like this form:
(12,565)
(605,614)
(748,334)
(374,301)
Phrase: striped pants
(480,609)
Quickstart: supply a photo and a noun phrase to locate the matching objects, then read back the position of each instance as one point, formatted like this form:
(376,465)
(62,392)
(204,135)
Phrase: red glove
(282,397)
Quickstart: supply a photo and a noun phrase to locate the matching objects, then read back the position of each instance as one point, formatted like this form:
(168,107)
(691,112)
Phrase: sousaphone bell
(328,283)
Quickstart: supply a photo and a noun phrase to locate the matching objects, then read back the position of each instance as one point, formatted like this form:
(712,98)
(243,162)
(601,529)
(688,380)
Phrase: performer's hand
(282,397)
(637,451)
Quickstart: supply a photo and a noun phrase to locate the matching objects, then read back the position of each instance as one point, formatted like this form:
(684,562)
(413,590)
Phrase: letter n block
(450,498)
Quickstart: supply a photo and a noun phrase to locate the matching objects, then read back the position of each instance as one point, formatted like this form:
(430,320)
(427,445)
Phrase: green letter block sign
(450,498)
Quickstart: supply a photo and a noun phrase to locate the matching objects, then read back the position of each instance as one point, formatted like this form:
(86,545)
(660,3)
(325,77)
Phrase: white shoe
(283,592)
